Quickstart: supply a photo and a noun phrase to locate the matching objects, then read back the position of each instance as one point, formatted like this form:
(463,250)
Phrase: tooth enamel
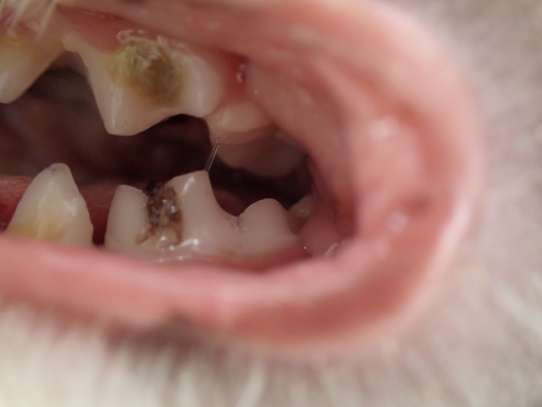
(265,156)
(53,209)
(300,212)
(126,219)
(202,229)
(27,60)
(146,81)
(248,140)
(237,123)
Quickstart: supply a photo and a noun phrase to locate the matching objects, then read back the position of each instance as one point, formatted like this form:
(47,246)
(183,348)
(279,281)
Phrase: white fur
(480,346)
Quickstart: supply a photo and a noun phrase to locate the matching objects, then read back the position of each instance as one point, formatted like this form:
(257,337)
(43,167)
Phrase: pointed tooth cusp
(145,81)
(191,224)
(28,59)
(53,209)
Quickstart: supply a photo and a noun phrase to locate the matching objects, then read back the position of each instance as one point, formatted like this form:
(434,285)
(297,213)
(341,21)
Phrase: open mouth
(183,109)
(230,153)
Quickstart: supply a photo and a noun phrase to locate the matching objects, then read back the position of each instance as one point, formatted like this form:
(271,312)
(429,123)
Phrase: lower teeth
(174,221)
(53,209)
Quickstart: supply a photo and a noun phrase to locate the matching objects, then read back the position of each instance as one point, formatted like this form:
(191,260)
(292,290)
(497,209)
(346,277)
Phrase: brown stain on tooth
(163,212)
(148,69)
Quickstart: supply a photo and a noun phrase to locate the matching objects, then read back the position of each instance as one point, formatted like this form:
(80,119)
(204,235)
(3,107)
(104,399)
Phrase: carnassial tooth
(265,156)
(146,81)
(182,219)
(23,61)
(53,209)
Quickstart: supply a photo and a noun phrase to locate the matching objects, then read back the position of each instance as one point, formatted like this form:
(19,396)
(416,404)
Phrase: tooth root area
(146,81)
(53,209)
(202,228)
(265,155)
(28,59)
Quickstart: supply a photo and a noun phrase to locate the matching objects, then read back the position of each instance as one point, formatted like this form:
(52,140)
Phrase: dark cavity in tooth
(163,212)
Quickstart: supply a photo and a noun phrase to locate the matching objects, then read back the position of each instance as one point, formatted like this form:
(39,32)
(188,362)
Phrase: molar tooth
(237,122)
(265,155)
(248,140)
(300,212)
(53,209)
(146,81)
(201,227)
(28,59)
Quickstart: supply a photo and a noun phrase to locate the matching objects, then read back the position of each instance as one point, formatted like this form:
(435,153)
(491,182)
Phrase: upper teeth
(263,156)
(237,122)
(28,59)
(143,81)
(132,90)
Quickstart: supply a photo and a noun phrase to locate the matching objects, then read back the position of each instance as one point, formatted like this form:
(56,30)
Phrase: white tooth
(53,209)
(264,223)
(237,123)
(22,62)
(300,212)
(127,219)
(201,229)
(303,208)
(265,156)
(146,81)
